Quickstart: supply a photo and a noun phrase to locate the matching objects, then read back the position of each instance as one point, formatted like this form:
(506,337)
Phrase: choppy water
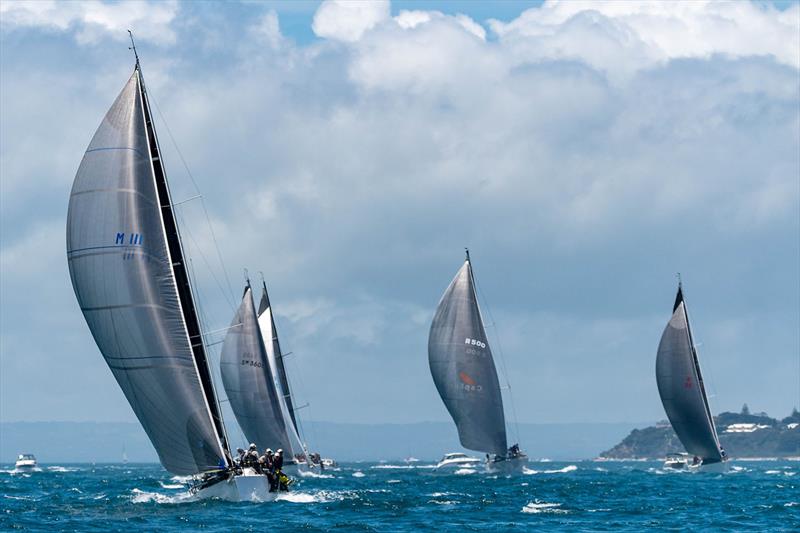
(397,497)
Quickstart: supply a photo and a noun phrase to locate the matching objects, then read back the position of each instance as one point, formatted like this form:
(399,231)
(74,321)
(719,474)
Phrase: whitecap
(171,485)
(791,504)
(140,496)
(394,481)
(565,470)
(464,471)
(773,472)
(358,474)
(311,473)
(298,497)
(392,467)
(537,507)
(61,469)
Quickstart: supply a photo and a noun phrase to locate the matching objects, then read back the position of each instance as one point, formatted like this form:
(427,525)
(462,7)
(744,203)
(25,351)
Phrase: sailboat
(255,380)
(130,277)
(683,394)
(464,372)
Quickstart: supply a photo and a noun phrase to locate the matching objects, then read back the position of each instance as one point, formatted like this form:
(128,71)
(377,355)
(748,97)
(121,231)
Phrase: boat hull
(249,487)
(513,465)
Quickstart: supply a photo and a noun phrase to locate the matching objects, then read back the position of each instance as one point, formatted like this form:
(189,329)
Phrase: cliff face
(742,435)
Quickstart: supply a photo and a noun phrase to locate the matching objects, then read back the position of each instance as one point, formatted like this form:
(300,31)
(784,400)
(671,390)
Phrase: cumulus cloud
(619,37)
(94,21)
(347,21)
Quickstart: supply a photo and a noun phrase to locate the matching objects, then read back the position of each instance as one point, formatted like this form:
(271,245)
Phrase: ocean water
(607,496)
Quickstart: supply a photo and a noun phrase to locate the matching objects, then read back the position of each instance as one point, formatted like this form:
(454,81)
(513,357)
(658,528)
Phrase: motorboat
(680,461)
(457,460)
(25,461)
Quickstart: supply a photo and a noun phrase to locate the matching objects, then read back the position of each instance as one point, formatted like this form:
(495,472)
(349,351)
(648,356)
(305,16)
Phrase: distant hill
(741,434)
(103,442)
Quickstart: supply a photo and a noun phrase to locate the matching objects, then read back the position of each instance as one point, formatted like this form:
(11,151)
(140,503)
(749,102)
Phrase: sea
(547,496)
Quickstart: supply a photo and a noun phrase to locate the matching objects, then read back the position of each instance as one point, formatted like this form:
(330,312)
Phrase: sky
(584,152)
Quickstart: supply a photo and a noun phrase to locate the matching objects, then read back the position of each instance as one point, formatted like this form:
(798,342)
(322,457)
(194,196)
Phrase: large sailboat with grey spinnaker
(464,372)
(683,393)
(255,380)
(129,273)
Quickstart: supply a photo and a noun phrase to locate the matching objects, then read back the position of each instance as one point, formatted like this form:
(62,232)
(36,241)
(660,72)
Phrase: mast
(182,282)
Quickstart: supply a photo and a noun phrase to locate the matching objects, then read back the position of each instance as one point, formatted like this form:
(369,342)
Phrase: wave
(358,473)
(171,485)
(317,475)
(140,496)
(537,507)
(62,469)
(392,467)
(465,471)
(393,481)
(565,470)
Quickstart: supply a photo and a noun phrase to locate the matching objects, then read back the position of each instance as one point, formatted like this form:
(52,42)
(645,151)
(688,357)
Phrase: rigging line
(502,357)
(187,230)
(301,426)
(202,200)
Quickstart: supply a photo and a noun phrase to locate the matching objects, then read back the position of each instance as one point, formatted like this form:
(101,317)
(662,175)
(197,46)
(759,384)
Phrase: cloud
(583,167)
(341,20)
(94,21)
(620,37)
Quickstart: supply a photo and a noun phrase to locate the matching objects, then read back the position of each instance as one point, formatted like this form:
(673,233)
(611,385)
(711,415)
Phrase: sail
(680,385)
(275,359)
(127,272)
(463,368)
(248,381)
(270,336)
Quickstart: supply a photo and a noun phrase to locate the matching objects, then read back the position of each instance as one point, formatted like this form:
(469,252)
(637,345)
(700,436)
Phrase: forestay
(124,276)
(248,381)
(680,385)
(463,369)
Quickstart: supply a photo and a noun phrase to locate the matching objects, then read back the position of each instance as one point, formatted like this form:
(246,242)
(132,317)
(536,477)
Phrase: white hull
(25,465)
(687,466)
(452,462)
(248,487)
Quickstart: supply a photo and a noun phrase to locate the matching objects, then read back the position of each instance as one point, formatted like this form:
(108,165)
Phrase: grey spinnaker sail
(248,382)
(281,368)
(680,385)
(463,368)
(127,273)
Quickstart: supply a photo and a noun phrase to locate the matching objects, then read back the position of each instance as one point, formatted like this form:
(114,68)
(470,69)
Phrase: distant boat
(255,380)
(130,277)
(680,384)
(25,461)
(463,370)
(457,460)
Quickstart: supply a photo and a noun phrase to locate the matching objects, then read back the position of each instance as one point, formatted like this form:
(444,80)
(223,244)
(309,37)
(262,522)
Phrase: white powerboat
(680,461)
(25,461)
(457,460)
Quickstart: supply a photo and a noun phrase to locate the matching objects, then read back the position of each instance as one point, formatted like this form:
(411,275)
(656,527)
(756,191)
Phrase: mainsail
(463,368)
(246,375)
(680,385)
(129,275)
(266,321)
